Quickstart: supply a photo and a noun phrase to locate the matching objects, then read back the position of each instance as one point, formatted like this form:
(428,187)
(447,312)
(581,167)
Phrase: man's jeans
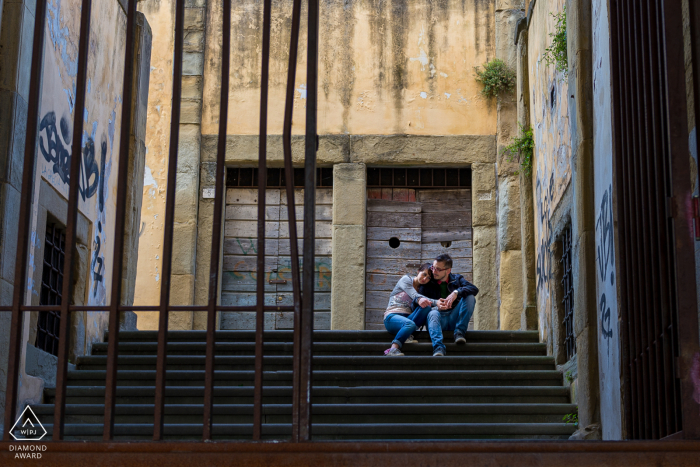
(456,319)
(404,325)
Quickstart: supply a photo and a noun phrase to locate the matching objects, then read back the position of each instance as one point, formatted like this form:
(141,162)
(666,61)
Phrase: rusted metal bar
(23,227)
(72,219)
(683,265)
(291,212)
(217,224)
(262,184)
(169,221)
(117,261)
(311,146)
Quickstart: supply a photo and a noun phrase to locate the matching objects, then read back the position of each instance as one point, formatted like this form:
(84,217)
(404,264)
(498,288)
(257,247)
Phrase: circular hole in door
(394,242)
(446,244)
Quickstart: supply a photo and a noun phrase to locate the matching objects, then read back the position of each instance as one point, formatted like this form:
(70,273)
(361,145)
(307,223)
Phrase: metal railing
(303,310)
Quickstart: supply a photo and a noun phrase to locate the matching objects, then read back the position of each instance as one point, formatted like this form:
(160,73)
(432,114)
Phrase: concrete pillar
(485,245)
(579,29)
(508,13)
(528,319)
(349,246)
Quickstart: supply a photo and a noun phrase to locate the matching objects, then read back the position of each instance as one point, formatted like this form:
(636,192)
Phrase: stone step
(337,431)
(414,365)
(322,413)
(323,336)
(323,394)
(328,348)
(338,378)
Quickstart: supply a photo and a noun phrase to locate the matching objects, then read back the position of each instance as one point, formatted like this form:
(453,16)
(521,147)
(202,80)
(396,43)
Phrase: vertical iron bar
(262,186)
(682,261)
(169,222)
(124,149)
(219,194)
(291,213)
(311,146)
(72,220)
(24,218)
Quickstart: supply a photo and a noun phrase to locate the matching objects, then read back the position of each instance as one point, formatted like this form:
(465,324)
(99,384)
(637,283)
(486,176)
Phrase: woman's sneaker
(439,353)
(411,340)
(393,352)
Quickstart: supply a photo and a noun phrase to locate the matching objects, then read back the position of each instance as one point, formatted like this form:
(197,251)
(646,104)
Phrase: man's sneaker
(459,338)
(411,340)
(439,353)
(393,352)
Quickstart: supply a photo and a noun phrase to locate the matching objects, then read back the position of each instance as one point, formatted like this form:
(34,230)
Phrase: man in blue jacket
(456,302)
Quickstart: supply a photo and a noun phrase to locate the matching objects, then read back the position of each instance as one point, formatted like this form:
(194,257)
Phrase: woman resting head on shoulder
(400,318)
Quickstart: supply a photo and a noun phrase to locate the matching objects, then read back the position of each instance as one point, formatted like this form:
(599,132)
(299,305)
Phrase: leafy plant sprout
(521,150)
(556,53)
(496,77)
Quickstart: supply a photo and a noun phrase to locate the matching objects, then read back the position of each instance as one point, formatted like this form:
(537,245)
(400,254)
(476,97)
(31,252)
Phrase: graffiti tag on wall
(605,257)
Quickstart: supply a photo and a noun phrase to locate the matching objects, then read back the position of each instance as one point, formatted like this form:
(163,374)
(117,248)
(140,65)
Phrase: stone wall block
(184,250)
(10,205)
(188,150)
(191,111)
(409,150)
(195,3)
(186,197)
(193,41)
(348,281)
(511,288)
(483,195)
(192,87)
(506,20)
(485,278)
(192,63)
(194,18)
(181,293)
(585,314)
(509,213)
(510,5)
(349,194)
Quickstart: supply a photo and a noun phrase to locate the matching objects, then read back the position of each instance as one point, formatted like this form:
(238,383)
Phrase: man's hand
(450,299)
(442,304)
(423,302)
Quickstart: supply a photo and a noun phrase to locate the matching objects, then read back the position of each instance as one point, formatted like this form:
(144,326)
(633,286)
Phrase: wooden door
(393,249)
(239,280)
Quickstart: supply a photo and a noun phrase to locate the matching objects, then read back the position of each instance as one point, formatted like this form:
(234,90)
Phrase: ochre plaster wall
(384,67)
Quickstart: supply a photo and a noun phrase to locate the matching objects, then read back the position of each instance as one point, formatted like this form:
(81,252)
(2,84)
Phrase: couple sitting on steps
(443,300)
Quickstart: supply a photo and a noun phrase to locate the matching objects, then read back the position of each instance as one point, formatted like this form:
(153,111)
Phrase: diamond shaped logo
(28,427)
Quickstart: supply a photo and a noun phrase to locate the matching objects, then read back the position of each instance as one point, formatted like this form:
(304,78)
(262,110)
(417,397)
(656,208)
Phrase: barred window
(568,299)
(51,285)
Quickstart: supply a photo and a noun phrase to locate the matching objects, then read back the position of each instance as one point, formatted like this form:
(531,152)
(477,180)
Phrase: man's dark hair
(444,258)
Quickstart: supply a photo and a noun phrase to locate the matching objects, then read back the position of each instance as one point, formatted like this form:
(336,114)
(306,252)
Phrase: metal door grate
(419,177)
(49,322)
(567,283)
(244,177)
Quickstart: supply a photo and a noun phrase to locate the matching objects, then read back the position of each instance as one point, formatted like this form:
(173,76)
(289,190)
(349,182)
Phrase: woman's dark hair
(426,267)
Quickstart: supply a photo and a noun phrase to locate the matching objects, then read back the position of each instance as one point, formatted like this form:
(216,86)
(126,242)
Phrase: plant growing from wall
(496,77)
(571,418)
(521,150)
(556,54)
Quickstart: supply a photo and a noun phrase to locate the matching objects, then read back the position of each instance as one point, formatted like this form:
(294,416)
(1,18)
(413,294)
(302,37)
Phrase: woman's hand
(423,302)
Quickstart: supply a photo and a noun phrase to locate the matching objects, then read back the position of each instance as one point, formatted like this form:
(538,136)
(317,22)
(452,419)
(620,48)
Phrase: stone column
(528,319)
(508,13)
(349,246)
(579,28)
(188,170)
(485,245)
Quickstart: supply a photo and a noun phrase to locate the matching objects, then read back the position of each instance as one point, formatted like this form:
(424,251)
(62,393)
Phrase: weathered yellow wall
(549,117)
(161,16)
(401,66)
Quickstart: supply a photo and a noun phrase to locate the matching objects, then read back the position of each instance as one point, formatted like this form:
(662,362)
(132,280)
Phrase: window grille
(568,300)
(51,284)
(417,178)
(248,177)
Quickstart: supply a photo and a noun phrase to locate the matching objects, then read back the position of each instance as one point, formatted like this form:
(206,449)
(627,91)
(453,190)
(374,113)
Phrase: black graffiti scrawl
(54,147)
(54,144)
(545,195)
(605,257)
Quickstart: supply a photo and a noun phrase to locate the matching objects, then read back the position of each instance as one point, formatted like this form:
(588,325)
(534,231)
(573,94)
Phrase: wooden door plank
(323,247)
(232,281)
(430,236)
(428,195)
(400,194)
(446,220)
(248,246)
(374,193)
(247,229)
(249,212)
(322,281)
(385,233)
(250,196)
(375,315)
(285,320)
(381,282)
(393,220)
(324,229)
(447,206)
(248,264)
(245,320)
(324,212)
(391,266)
(382,249)
(457,249)
(392,206)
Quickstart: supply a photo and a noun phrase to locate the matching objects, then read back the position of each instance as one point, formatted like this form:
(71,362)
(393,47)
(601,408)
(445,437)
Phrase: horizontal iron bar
(146,308)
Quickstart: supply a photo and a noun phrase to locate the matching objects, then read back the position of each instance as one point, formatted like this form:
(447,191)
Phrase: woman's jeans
(404,325)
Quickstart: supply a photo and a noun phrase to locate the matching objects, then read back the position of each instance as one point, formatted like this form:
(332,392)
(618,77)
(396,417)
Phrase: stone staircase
(500,385)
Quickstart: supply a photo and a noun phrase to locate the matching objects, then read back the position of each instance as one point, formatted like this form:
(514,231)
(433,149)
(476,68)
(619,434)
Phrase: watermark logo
(28,427)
